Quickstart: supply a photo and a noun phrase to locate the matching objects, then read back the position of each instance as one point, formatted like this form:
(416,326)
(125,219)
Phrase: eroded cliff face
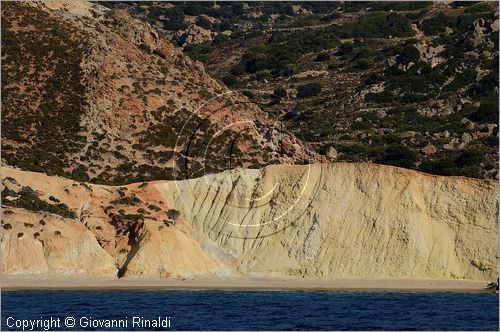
(100,231)
(52,245)
(313,221)
(346,220)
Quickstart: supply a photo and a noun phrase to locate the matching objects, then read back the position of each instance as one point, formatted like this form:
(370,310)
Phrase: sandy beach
(16,283)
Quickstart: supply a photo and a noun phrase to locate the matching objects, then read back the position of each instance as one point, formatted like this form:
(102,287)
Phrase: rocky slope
(317,221)
(55,226)
(410,84)
(95,95)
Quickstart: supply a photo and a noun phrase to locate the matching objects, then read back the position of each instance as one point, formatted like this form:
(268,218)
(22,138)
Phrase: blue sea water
(234,310)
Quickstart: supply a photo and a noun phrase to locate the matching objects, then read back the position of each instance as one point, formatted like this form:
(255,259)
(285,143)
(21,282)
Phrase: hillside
(318,221)
(412,84)
(95,95)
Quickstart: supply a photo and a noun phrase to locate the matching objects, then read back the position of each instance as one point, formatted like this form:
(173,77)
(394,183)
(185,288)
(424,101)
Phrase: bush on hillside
(308,90)
(487,112)
(280,92)
(324,56)
(377,26)
(397,155)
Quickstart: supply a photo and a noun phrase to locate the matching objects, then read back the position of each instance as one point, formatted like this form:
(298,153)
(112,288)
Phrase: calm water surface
(223,310)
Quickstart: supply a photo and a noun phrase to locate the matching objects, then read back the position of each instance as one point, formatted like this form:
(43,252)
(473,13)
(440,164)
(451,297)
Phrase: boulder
(193,34)
(491,128)
(332,153)
(408,134)
(429,150)
(468,123)
(381,114)
(494,26)
(478,37)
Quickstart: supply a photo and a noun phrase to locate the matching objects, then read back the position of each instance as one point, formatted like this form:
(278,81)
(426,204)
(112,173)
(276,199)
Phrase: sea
(248,310)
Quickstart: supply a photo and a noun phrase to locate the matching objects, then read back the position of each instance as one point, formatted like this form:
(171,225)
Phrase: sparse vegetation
(29,200)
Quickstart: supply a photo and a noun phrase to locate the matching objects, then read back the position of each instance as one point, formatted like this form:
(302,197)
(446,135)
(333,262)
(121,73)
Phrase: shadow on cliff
(135,242)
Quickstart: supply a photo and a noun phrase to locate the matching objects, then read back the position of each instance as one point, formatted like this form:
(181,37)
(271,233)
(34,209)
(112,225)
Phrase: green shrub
(173,214)
(345,49)
(487,112)
(451,166)
(80,173)
(29,200)
(248,93)
(362,64)
(377,26)
(154,207)
(409,54)
(381,97)
(437,24)
(470,157)
(308,90)
(238,70)
(230,80)
(360,125)
(53,199)
(198,51)
(175,19)
(330,17)
(131,200)
(397,155)
(203,22)
(324,56)
(279,92)
(399,5)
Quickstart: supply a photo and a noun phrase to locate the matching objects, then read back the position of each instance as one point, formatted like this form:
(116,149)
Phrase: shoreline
(22,283)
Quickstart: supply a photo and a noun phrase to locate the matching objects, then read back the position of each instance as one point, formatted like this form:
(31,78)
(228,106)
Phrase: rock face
(312,221)
(59,247)
(99,241)
(193,34)
(170,253)
(346,220)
